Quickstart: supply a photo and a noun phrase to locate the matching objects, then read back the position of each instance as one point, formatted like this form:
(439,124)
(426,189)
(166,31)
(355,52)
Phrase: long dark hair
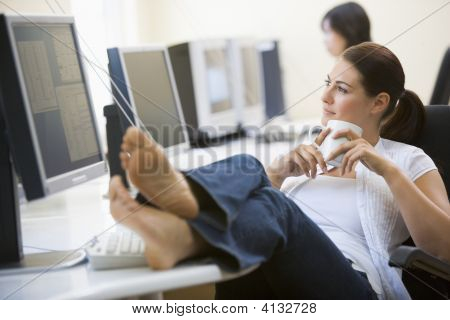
(350,21)
(381,71)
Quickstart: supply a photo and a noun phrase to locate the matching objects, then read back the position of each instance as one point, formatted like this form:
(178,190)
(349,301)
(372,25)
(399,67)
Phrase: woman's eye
(341,89)
(327,82)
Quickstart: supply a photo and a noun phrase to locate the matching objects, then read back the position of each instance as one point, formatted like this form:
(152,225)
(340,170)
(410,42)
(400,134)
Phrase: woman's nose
(327,97)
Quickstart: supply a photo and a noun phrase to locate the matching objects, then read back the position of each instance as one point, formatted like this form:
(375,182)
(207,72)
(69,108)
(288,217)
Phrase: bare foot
(168,238)
(151,172)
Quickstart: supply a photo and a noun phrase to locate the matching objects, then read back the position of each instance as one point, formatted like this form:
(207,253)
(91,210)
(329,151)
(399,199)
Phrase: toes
(122,205)
(117,190)
(124,160)
(128,202)
(114,184)
(125,147)
(131,204)
(124,196)
(135,138)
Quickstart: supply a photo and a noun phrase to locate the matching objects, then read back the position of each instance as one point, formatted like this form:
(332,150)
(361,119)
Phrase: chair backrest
(441,92)
(435,140)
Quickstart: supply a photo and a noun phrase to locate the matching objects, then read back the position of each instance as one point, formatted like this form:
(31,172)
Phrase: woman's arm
(425,209)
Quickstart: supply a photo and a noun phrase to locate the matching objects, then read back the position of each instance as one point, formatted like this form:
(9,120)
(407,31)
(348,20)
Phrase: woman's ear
(380,104)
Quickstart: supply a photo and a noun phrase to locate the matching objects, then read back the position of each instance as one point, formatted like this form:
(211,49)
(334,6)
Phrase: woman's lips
(325,111)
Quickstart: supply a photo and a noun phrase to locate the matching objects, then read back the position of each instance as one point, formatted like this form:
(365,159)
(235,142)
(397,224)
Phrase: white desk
(68,220)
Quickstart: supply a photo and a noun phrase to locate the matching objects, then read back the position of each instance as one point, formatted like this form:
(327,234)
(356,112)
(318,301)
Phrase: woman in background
(344,26)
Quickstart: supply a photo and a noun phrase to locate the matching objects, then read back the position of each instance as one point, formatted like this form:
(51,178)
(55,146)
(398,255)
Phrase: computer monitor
(247,81)
(48,124)
(144,77)
(203,77)
(273,95)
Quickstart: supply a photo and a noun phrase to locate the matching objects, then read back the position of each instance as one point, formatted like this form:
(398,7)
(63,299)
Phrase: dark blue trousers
(248,222)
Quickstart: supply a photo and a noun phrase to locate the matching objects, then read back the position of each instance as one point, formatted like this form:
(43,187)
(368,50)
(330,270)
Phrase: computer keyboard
(114,250)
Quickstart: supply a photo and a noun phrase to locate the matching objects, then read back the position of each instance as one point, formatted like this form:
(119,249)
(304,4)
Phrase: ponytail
(404,122)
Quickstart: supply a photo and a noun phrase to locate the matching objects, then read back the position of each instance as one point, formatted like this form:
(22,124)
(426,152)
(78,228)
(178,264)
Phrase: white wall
(305,61)
(33,6)
(102,24)
(297,24)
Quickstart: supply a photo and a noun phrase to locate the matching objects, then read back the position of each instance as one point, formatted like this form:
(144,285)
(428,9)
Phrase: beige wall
(34,6)
(296,23)
(305,61)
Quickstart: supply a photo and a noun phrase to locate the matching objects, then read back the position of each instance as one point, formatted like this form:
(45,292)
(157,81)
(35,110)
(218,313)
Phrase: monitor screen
(154,96)
(250,66)
(219,92)
(57,95)
(272,78)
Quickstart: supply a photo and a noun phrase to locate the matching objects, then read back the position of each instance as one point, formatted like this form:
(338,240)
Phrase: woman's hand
(358,149)
(301,160)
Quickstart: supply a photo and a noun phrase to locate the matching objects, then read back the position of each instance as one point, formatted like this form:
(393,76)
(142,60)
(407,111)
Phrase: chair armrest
(415,258)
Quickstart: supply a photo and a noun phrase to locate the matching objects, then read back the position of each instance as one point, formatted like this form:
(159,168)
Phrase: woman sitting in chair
(327,235)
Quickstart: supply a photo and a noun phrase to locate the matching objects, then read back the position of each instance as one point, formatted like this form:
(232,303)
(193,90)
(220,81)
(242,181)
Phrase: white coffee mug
(330,144)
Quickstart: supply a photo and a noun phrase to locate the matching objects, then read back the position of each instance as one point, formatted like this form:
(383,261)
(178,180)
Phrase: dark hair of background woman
(350,21)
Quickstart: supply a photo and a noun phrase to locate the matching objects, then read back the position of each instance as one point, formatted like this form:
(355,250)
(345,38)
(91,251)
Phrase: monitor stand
(44,262)
(12,259)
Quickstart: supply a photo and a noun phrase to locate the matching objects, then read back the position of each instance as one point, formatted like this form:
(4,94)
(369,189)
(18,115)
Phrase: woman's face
(335,43)
(344,97)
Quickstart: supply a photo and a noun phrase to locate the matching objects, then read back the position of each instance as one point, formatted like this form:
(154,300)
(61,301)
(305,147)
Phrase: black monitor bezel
(21,133)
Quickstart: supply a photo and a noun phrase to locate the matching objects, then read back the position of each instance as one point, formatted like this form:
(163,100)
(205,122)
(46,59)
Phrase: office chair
(441,92)
(425,276)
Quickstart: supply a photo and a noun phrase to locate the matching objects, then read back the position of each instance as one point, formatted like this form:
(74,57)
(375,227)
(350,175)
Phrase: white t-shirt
(414,163)
(331,203)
